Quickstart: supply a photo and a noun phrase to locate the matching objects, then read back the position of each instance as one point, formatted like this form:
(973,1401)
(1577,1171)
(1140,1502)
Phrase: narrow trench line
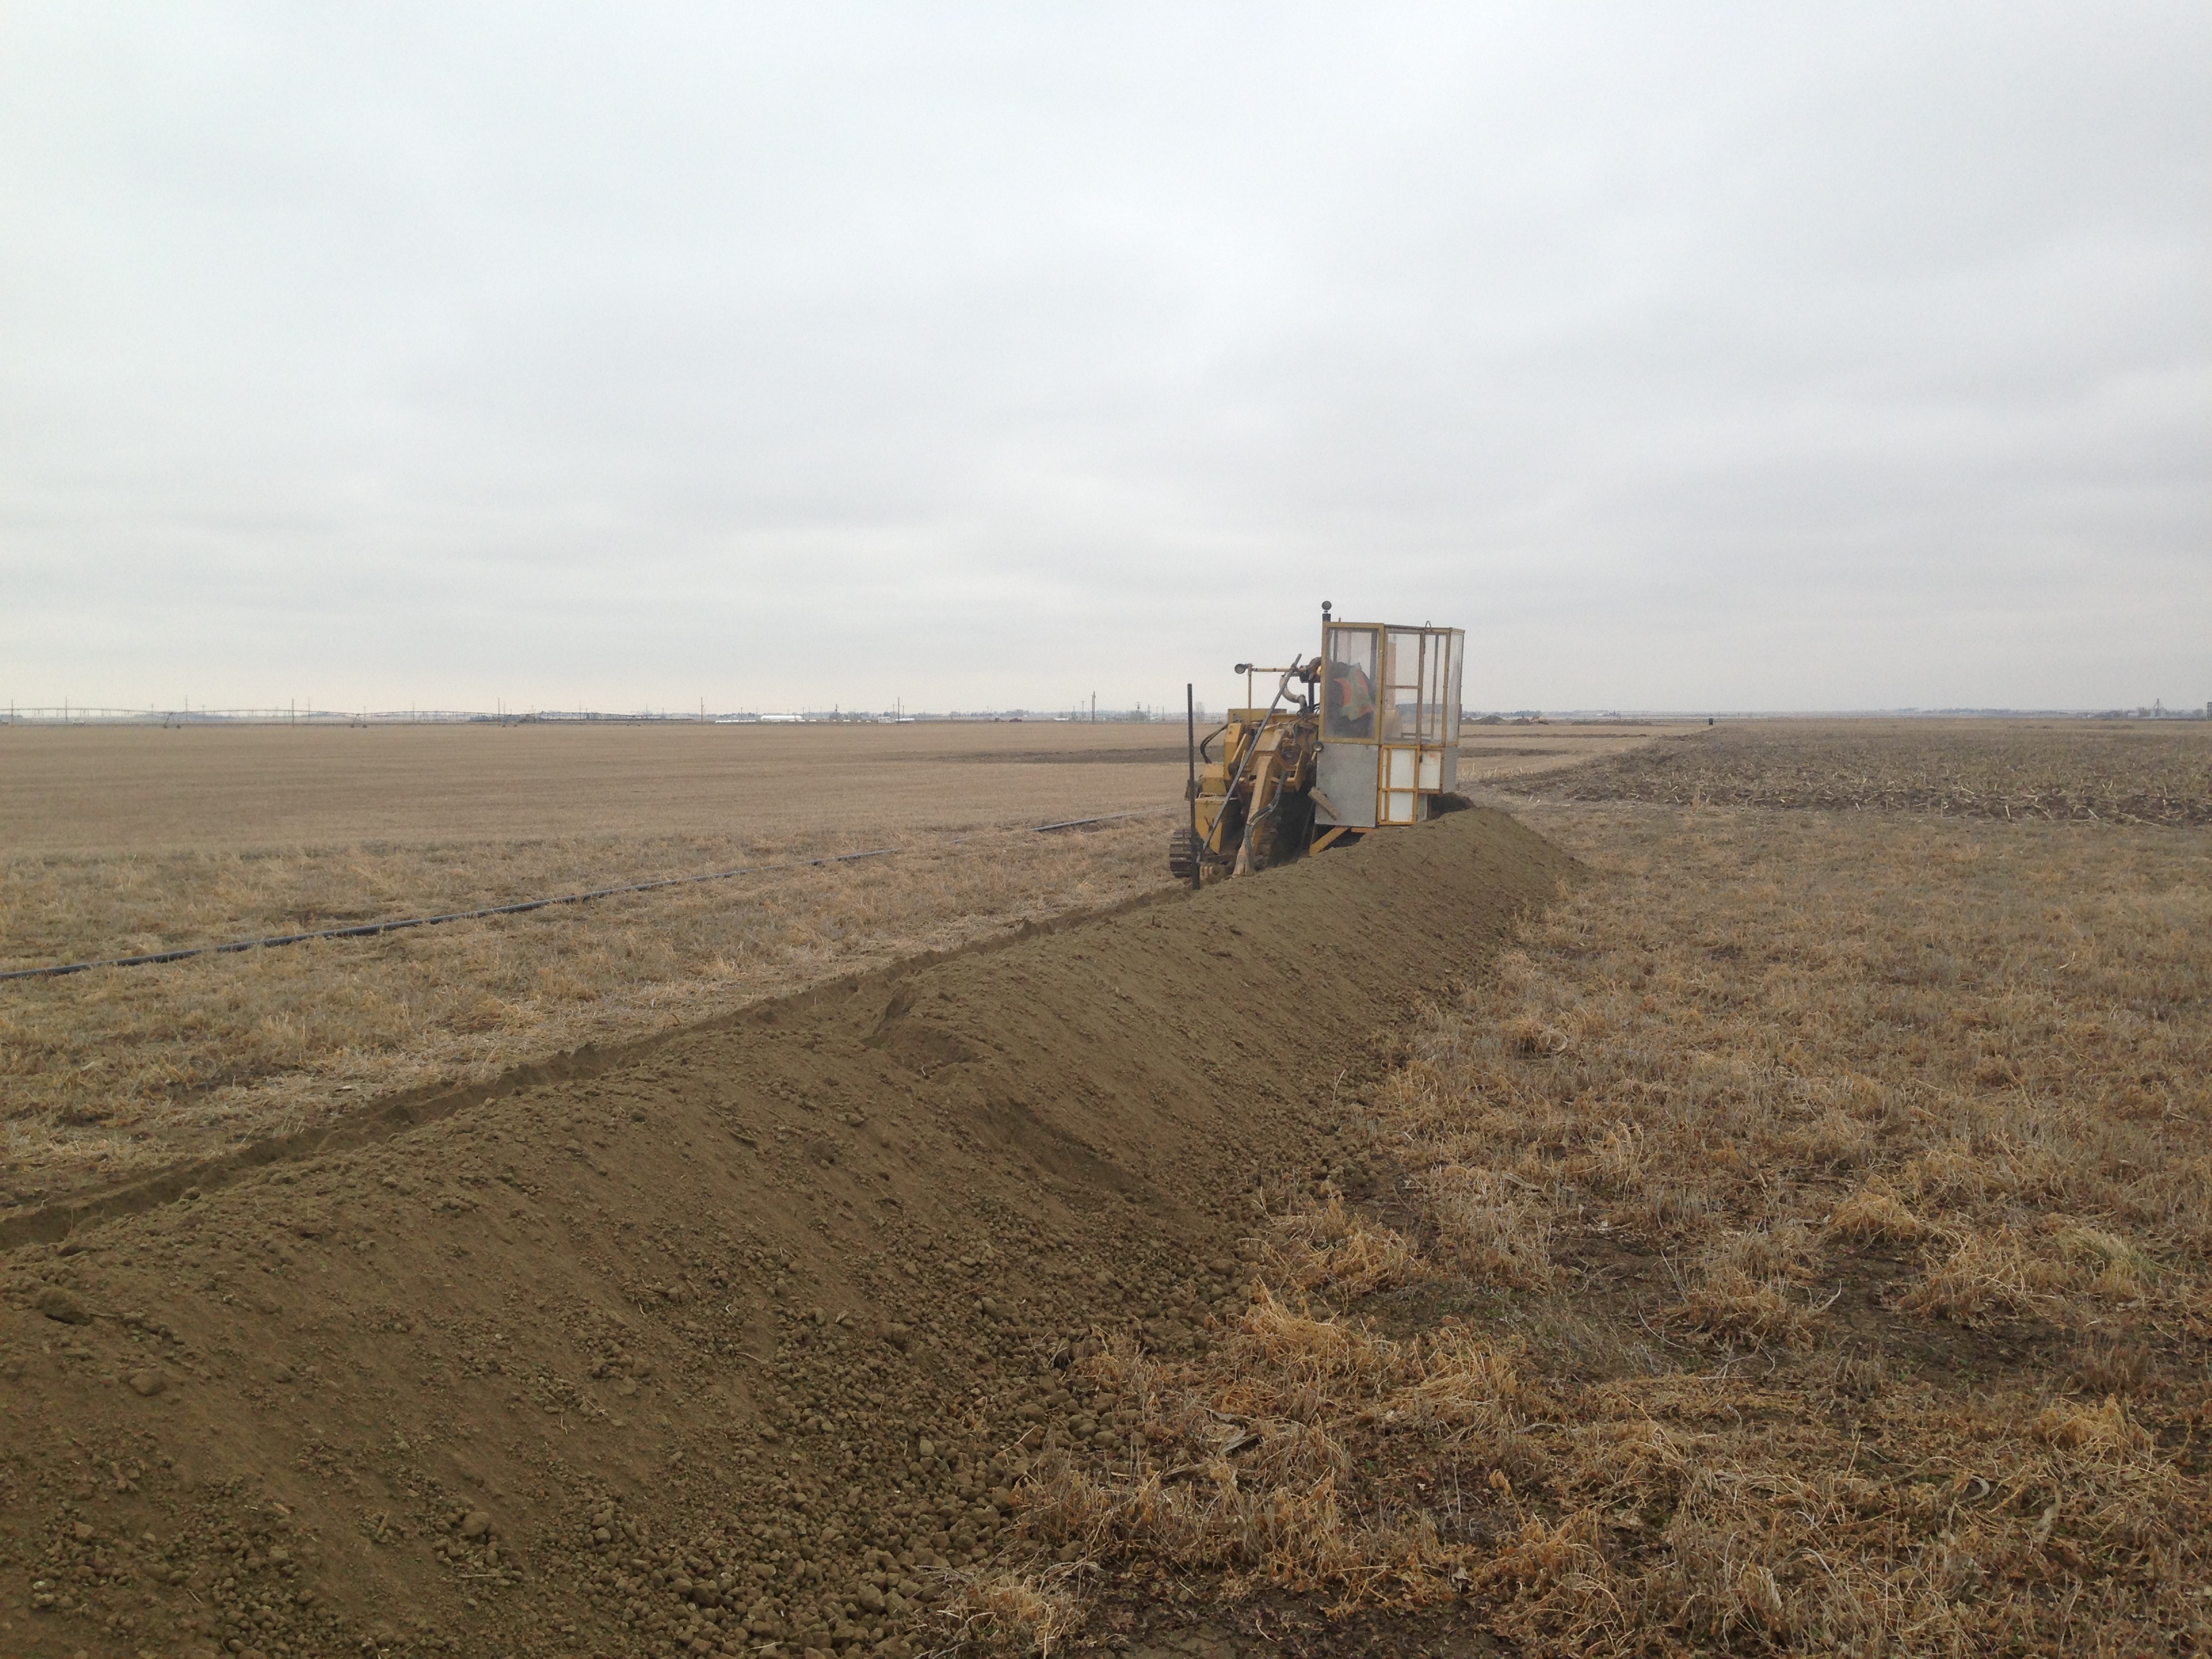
(370,929)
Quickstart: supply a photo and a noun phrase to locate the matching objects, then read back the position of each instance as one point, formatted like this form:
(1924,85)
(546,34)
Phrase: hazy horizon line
(94,715)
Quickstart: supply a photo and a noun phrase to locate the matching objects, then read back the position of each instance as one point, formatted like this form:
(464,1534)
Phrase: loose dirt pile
(108,1077)
(746,1336)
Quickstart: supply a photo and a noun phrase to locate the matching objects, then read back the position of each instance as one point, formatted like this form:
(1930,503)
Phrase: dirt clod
(58,1304)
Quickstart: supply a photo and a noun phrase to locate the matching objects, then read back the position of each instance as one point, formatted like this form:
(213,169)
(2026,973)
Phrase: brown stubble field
(1802,1242)
(1796,1242)
(133,840)
(121,842)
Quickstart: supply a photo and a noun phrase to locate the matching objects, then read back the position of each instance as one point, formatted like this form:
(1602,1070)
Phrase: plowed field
(2134,772)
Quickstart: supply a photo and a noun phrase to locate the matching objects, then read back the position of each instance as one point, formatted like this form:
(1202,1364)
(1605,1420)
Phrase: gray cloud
(1688,356)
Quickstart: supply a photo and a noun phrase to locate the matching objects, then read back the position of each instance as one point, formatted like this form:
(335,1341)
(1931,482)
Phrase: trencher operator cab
(1364,737)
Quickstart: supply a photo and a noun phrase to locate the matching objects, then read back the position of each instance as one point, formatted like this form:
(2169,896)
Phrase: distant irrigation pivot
(370,929)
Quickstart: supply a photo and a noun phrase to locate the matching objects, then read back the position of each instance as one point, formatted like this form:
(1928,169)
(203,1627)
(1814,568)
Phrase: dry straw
(1801,1242)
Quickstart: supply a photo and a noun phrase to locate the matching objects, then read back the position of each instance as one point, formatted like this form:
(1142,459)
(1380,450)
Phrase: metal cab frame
(1390,722)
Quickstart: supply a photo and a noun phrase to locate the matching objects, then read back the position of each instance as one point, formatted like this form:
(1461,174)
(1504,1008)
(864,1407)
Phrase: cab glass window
(1433,687)
(1348,684)
(1402,696)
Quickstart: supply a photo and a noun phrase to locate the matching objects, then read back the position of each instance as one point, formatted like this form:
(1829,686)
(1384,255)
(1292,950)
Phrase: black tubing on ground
(370,929)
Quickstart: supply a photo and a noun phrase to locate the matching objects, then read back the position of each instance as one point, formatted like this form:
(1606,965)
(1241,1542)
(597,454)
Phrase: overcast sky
(629,355)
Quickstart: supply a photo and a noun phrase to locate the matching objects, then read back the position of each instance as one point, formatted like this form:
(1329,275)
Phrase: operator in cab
(1350,711)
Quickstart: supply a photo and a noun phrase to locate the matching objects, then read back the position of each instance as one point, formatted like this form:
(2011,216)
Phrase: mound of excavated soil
(740,1338)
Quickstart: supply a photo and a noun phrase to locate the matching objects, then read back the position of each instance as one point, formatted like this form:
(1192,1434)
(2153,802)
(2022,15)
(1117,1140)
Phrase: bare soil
(2123,772)
(148,789)
(134,840)
(745,1335)
(1785,1232)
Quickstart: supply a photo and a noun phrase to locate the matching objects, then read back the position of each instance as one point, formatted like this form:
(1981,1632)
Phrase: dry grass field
(211,789)
(1797,1241)
(1489,755)
(136,840)
(128,841)
(1803,1245)
(740,1343)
